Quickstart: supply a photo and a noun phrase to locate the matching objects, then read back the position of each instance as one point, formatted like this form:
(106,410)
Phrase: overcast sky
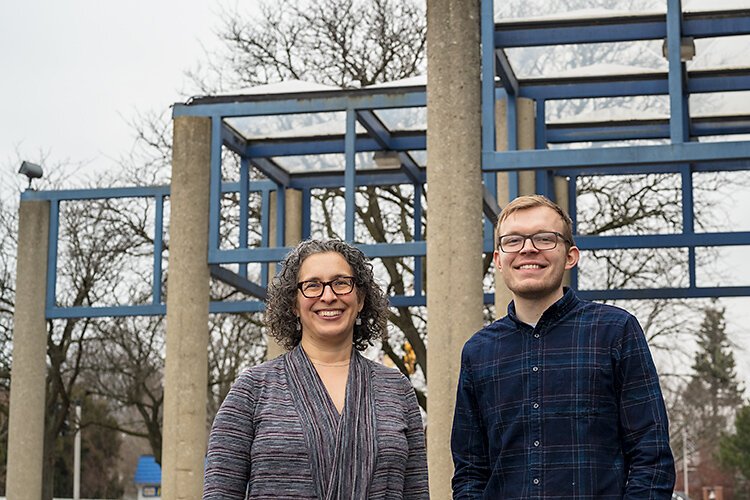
(75,72)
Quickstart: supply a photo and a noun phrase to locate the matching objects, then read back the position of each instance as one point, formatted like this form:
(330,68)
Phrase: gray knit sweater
(257,448)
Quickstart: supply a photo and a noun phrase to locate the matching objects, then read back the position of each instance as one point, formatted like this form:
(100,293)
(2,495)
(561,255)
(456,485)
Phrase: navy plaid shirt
(568,409)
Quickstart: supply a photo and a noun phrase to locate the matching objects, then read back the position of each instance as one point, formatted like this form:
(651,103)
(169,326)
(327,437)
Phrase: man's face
(530,273)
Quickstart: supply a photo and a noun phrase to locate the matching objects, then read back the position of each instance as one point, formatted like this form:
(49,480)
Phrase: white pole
(685,461)
(77,456)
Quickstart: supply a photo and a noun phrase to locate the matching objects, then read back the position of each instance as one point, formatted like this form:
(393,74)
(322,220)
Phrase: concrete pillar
(525,119)
(29,370)
(186,370)
(454,227)
(292,236)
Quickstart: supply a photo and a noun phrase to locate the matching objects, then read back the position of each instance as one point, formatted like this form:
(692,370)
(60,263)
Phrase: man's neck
(530,309)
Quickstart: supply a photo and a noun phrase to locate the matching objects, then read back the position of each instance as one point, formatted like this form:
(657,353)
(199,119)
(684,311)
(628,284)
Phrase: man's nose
(528,246)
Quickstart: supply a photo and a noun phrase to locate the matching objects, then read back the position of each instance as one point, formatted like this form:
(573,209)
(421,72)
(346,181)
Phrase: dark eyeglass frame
(301,286)
(531,237)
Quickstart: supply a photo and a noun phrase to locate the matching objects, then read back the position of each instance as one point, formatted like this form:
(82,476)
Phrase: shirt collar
(557,310)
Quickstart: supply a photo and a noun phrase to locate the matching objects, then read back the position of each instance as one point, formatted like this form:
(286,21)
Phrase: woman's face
(330,317)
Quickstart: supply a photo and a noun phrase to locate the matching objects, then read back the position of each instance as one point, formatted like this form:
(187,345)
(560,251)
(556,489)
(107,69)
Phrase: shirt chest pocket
(580,388)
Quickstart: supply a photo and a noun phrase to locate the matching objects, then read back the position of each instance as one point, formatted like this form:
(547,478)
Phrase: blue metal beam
(244,208)
(96,194)
(312,102)
(214,191)
(364,178)
(665,293)
(586,242)
(270,169)
(280,216)
(265,254)
(418,226)
(318,145)
(105,311)
(510,34)
(350,172)
(654,168)
(547,32)
(158,244)
(635,84)
(488,75)
(234,307)
(616,156)
(679,119)
(54,230)
(716,24)
(265,238)
(239,282)
(374,127)
(504,70)
(564,133)
(490,206)
(384,139)
(623,130)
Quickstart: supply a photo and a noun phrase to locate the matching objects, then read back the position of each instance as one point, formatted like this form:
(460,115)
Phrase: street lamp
(31,170)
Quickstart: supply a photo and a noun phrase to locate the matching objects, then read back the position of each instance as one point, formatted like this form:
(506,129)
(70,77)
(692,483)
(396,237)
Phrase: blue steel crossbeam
(618,28)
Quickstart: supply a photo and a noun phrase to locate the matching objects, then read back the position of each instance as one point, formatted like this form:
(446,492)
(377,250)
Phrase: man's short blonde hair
(533,201)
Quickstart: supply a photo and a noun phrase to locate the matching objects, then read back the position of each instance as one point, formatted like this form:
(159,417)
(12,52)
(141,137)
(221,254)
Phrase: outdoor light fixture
(687,49)
(31,170)
(387,159)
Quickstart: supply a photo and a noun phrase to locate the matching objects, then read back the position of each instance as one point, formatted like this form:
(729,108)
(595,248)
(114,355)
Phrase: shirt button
(536,480)
(535,405)
(536,443)
(535,369)
(536,335)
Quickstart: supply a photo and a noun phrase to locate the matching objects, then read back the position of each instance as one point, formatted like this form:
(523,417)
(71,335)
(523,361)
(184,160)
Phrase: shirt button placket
(536,417)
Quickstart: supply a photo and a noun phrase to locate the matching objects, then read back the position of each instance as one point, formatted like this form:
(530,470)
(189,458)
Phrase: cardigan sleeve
(228,458)
(415,477)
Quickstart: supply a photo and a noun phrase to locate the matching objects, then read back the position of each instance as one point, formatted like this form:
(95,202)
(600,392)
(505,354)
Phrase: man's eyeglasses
(544,240)
(313,289)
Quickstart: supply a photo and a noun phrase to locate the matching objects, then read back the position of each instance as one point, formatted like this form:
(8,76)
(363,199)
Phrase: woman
(322,421)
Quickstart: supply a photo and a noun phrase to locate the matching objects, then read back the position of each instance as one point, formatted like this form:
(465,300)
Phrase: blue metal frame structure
(683,155)
(362,109)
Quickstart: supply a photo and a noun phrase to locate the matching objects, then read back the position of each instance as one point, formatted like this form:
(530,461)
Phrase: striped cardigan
(257,448)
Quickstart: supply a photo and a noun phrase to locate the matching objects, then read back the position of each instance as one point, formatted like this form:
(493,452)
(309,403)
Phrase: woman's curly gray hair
(281,319)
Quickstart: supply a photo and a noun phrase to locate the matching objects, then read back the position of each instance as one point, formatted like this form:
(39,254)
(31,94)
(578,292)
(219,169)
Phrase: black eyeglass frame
(301,284)
(531,237)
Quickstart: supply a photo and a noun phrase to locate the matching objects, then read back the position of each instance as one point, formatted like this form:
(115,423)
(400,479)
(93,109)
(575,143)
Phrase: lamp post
(684,461)
(77,455)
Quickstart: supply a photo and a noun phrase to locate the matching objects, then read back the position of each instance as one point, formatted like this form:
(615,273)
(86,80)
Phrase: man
(560,398)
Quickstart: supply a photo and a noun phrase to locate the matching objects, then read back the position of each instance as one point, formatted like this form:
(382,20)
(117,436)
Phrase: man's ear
(572,257)
(496,258)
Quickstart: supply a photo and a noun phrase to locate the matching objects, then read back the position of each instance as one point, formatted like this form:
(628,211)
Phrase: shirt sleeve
(415,477)
(468,439)
(228,458)
(643,419)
